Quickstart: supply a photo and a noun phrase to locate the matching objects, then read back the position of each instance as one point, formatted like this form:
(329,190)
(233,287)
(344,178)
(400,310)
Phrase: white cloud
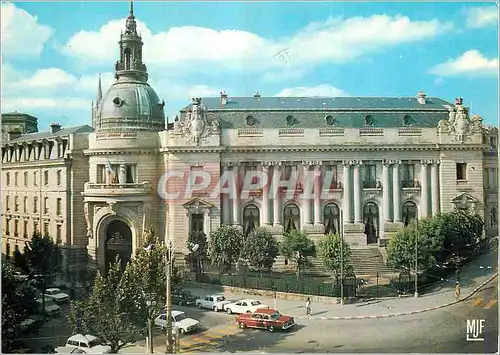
(184,48)
(439,81)
(471,63)
(29,104)
(323,90)
(21,33)
(479,17)
(48,79)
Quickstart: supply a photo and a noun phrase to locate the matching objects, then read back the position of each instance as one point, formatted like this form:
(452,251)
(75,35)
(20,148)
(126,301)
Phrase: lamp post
(416,257)
(342,260)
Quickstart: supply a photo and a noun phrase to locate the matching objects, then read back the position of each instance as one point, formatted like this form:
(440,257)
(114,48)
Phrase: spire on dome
(131,13)
(99,91)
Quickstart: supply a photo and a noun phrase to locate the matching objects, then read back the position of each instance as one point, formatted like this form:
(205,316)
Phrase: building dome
(131,106)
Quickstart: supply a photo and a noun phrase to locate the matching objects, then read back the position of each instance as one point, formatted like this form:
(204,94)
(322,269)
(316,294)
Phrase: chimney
(458,101)
(14,135)
(257,95)
(421,98)
(223,97)
(55,127)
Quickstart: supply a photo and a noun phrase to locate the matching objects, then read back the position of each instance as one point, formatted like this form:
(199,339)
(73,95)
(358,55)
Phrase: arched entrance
(331,218)
(409,212)
(370,218)
(118,243)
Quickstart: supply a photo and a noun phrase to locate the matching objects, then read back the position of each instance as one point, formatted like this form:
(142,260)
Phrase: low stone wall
(267,293)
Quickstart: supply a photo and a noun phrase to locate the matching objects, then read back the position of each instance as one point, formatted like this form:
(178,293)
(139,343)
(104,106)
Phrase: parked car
(179,320)
(246,305)
(18,276)
(56,295)
(269,319)
(215,302)
(68,350)
(90,344)
(51,308)
(182,298)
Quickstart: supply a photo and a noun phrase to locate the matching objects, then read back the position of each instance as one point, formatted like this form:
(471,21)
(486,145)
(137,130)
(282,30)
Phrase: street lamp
(416,257)
(342,261)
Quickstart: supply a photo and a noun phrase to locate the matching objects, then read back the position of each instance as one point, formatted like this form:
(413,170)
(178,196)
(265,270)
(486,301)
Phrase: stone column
(265,196)
(385,192)
(358,216)
(396,192)
(225,203)
(435,188)
(317,195)
(306,202)
(347,193)
(276,197)
(236,196)
(122,177)
(424,195)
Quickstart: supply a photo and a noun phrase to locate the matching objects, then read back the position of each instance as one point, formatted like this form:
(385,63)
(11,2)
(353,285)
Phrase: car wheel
(249,312)
(242,325)
(271,329)
(183,331)
(199,305)
(228,310)
(216,309)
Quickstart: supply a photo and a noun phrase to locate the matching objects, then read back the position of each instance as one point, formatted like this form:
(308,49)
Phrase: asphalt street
(439,331)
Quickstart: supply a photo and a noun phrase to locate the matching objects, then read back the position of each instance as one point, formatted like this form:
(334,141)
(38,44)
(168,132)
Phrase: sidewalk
(473,277)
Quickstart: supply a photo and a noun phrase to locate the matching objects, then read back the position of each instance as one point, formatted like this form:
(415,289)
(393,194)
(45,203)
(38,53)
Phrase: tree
(401,248)
(41,255)
(260,249)
(225,246)
(461,230)
(105,314)
(332,257)
(196,258)
(18,301)
(20,261)
(297,246)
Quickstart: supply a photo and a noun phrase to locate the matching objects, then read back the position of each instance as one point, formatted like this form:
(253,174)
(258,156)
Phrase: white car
(51,308)
(179,320)
(215,302)
(56,295)
(90,344)
(245,306)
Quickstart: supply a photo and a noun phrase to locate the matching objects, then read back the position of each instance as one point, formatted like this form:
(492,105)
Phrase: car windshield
(275,315)
(95,342)
(255,303)
(220,298)
(180,317)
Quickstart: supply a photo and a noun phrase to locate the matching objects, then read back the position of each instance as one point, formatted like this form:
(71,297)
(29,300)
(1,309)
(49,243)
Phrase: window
(331,176)
(59,233)
(493,216)
(493,143)
(101,174)
(59,180)
(35,205)
(251,219)
(250,121)
(461,171)
(409,175)
(35,178)
(371,220)
(25,204)
(16,204)
(7,226)
(197,221)
(25,178)
(409,212)
(331,219)
(46,178)
(46,205)
(7,179)
(46,228)
(16,178)
(370,176)
(59,207)
(16,228)
(7,203)
(25,229)
(35,227)
(291,218)
(131,171)
(288,170)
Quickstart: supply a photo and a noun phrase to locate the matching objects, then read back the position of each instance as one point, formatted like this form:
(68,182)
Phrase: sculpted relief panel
(459,123)
(195,126)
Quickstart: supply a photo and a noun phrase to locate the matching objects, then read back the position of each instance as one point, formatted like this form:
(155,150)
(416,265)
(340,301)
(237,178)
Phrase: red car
(269,319)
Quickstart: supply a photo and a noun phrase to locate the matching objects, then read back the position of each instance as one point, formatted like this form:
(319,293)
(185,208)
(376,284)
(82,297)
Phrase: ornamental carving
(459,123)
(195,126)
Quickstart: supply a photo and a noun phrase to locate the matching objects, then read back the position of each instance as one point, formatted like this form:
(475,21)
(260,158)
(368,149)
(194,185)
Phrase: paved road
(438,331)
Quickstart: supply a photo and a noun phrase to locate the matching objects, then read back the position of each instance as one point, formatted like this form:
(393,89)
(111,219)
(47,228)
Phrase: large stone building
(386,161)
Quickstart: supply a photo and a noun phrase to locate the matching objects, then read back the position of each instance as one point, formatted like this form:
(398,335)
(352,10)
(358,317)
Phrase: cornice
(119,151)
(193,149)
(34,164)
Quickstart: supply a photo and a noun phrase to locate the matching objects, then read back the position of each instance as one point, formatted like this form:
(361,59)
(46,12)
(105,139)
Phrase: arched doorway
(331,218)
(118,243)
(370,218)
(251,218)
(409,212)
(291,218)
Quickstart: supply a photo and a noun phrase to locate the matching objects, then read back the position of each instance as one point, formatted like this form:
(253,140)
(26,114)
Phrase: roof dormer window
(368,121)
(330,120)
(407,120)
(250,121)
(290,120)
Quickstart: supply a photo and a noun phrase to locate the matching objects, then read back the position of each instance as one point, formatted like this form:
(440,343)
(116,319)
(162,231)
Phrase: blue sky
(54,52)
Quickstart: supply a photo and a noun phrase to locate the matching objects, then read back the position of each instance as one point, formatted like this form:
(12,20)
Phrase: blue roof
(48,134)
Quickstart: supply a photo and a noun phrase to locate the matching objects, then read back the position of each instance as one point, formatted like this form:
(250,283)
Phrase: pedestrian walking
(308,306)
(457,290)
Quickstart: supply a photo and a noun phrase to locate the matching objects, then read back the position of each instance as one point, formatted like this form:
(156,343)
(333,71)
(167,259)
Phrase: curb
(408,313)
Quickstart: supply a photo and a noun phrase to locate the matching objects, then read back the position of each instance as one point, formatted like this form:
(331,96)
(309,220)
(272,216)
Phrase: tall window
(101,174)
(25,229)
(35,204)
(46,205)
(16,178)
(16,228)
(409,212)
(59,234)
(46,228)
(251,219)
(291,218)
(131,174)
(25,178)
(59,180)
(16,203)
(59,207)
(7,226)
(46,178)
(371,220)
(35,227)
(7,203)
(25,204)
(408,175)
(461,171)
(331,175)
(288,170)
(35,178)
(370,176)
(493,143)
(493,216)
(7,178)
(331,218)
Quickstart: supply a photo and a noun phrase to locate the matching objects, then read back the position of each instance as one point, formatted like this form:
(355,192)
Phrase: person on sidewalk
(457,290)
(308,306)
